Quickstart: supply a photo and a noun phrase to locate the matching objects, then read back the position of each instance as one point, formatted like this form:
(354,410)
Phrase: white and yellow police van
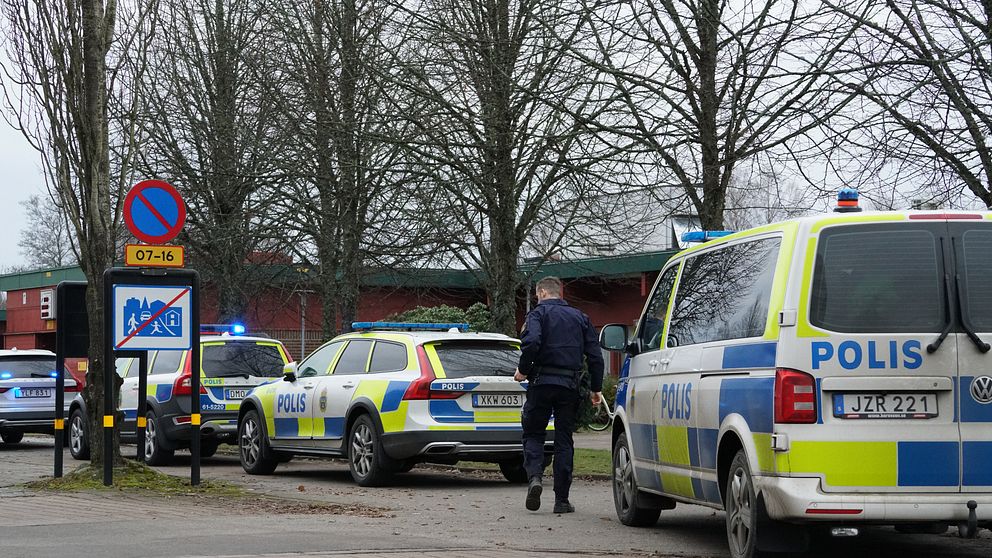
(830,370)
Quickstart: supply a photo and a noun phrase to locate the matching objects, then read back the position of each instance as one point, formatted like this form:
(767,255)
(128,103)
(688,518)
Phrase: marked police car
(230,367)
(831,370)
(27,393)
(390,397)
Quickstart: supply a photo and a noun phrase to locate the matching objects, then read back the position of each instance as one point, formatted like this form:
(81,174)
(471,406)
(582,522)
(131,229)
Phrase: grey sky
(22,177)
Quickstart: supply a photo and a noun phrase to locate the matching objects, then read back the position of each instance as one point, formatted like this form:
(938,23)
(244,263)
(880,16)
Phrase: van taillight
(183,385)
(420,388)
(795,397)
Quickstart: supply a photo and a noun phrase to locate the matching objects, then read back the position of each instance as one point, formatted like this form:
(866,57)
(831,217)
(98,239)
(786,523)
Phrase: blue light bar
(703,236)
(217,329)
(363,326)
(237,329)
(54,374)
(6,375)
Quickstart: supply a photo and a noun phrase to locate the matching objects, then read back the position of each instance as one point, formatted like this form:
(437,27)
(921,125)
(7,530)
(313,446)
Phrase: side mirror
(613,337)
(289,372)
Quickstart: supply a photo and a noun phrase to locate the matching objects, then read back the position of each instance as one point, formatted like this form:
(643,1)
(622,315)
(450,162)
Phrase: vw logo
(981,389)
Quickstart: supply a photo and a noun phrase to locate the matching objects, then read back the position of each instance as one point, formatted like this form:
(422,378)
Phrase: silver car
(27,393)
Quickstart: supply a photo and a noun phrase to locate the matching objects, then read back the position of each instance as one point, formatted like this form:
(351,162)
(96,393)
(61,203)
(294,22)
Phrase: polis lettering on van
(875,355)
(676,400)
(291,403)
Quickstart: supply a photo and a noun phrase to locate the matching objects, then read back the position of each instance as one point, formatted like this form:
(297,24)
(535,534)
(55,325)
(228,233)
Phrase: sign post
(150,307)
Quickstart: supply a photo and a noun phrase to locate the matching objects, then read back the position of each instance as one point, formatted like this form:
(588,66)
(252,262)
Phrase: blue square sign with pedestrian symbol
(150,318)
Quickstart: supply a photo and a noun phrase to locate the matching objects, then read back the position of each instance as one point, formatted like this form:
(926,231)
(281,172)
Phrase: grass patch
(136,477)
(586,462)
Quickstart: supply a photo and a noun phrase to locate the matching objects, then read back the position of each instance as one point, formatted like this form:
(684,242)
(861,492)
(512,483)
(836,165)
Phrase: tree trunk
(346,143)
(710,208)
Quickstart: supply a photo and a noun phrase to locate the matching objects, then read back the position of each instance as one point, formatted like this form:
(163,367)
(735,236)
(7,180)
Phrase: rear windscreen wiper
(40,375)
(982,345)
(932,347)
(232,375)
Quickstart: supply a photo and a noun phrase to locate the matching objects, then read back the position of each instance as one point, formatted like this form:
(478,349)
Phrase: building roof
(609,266)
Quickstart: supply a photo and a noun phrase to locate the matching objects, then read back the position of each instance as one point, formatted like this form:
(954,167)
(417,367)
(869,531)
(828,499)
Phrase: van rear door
(973,277)
(876,332)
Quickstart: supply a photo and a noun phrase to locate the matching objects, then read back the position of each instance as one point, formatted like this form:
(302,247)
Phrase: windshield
(460,360)
(242,358)
(879,278)
(27,367)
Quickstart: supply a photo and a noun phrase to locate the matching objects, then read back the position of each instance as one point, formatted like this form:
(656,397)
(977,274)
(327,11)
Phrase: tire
(253,446)
(79,436)
(208,449)
(740,503)
(155,454)
(12,437)
(625,491)
(513,471)
(368,462)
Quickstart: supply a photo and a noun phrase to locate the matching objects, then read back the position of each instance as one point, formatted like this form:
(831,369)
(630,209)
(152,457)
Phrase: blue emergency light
(703,236)
(407,326)
(218,329)
(6,375)
(847,201)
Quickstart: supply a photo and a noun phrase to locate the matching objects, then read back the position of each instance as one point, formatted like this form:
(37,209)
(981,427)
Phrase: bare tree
(498,108)
(66,91)
(47,241)
(705,84)
(212,130)
(923,70)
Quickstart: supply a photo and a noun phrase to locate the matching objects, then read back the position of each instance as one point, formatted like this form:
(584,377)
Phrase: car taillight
(420,388)
(183,385)
(73,388)
(795,397)
(4,390)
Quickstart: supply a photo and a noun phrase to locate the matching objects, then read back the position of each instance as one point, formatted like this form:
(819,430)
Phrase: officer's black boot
(534,489)
(564,506)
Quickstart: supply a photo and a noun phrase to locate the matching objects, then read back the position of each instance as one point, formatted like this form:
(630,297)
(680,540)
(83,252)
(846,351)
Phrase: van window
(724,294)
(654,318)
(977,274)
(355,357)
(465,359)
(387,357)
(319,363)
(877,279)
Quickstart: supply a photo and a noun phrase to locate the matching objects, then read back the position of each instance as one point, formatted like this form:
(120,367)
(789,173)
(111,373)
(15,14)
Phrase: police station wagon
(830,370)
(390,397)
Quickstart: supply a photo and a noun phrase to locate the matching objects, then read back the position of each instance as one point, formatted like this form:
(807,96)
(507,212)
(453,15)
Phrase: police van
(831,370)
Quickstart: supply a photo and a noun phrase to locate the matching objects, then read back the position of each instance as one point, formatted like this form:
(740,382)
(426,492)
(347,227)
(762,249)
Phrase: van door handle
(308,386)
(348,385)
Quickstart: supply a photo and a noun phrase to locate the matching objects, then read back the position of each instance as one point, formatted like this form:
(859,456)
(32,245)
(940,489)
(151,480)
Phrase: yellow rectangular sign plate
(149,255)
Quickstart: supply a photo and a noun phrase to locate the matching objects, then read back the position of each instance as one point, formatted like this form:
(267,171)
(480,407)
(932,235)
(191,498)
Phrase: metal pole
(194,394)
(109,371)
(303,324)
(142,419)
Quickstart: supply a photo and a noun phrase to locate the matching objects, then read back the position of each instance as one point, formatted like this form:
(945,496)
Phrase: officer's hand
(519,377)
(596,397)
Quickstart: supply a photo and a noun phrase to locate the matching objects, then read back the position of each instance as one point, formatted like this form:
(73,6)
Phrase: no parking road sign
(148,318)
(154,211)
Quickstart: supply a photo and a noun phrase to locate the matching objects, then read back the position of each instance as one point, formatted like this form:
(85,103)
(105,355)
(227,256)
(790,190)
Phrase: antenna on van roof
(847,201)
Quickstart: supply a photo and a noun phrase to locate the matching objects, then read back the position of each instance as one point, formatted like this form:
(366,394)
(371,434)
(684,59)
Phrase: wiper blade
(233,375)
(932,347)
(983,347)
(40,375)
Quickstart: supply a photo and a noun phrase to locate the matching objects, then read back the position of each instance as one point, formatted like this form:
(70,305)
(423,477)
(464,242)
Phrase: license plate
(885,405)
(236,393)
(32,392)
(498,400)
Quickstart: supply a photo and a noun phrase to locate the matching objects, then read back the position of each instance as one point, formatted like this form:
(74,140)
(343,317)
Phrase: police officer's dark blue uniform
(556,338)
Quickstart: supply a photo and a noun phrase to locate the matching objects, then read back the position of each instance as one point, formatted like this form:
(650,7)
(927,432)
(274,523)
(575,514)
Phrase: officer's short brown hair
(552,285)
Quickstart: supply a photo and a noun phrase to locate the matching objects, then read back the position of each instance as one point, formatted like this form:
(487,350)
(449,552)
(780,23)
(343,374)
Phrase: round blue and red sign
(154,211)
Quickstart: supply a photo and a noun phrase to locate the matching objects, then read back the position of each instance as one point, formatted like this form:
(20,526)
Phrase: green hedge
(476,316)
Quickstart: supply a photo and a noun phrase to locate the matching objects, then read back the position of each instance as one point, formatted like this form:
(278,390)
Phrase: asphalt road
(428,512)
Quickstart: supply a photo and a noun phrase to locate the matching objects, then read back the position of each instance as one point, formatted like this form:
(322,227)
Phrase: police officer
(556,337)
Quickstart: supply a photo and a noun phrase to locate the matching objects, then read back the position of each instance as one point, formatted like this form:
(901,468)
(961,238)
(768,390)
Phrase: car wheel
(253,446)
(740,503)
(79,437)
(625,491)
(513,471)
(155,454)
(366,459)
(11,437)
(208,449)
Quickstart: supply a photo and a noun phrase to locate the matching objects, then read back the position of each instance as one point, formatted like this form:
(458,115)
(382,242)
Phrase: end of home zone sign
(149,318)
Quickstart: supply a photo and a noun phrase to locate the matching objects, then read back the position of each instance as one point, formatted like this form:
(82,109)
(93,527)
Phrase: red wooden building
(608,289)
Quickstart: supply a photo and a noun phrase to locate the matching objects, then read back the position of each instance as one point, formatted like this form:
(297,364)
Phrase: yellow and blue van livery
(230,367)
(830,369)
(389,396)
